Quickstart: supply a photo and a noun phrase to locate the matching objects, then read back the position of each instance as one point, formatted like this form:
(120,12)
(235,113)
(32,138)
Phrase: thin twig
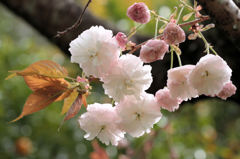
(191,23)
(76,24)
(199,20)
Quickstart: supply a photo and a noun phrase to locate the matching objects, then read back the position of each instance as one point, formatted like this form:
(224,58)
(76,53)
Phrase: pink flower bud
(166,101)
(228,90)
(173,34)
(121,40)
(153,50)
(139,12)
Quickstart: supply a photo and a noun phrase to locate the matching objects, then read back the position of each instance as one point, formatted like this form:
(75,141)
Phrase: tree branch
(226,14)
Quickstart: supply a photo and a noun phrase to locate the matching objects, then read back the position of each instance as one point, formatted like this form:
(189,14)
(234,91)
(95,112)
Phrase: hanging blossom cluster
(125,77)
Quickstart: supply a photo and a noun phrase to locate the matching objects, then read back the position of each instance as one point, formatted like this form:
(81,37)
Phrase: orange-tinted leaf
(64,95)
(44,68)
(36,82)
(75,108)
(38,100)
(69,101)
(99,152)
(84,100)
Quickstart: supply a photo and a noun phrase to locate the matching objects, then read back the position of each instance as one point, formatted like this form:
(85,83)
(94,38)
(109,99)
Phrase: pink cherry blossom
(121,40)
(95,50)
(138,115)
(178,83)
(173,34)
(166,101)
(210,75)
(101,121)
(228,90)
(139,12)
(153,50)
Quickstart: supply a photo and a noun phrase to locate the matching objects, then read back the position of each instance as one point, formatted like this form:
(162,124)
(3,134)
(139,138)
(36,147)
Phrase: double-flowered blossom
(153,50)
(138,115)
(128,77)
(101,121)
(166,101)
(139,12)
(95,50)
(228,90)
(173,34)
(178,83)
(210,75)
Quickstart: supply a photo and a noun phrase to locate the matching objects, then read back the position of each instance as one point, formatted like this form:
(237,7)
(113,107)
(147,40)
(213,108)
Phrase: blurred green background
(207,129)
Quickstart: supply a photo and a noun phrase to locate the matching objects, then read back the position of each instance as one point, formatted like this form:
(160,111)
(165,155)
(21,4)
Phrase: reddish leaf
(44,68)
(37,101)
(99,152)
(84,100)
(75,108)
(36,82)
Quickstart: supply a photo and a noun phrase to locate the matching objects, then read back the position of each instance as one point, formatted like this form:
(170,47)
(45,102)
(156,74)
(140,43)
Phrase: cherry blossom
(138,115)
(95,50)
(101,121)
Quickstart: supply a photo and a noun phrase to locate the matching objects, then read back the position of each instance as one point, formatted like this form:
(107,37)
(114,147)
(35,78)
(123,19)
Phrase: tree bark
(226,15)
(50,16)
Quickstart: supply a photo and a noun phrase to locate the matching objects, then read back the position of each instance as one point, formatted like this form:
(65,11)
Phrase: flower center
(138,116)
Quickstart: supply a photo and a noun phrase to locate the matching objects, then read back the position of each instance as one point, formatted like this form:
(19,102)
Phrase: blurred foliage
(207,129)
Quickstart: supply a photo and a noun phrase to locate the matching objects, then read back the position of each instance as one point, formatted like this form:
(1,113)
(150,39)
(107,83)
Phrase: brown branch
(190,23)
(226,15)
(76,24)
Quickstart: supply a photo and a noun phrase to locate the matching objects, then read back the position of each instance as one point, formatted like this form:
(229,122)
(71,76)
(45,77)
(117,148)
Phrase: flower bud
(173,34)
(228,90)
(153,50)
(139,12)
(121,40)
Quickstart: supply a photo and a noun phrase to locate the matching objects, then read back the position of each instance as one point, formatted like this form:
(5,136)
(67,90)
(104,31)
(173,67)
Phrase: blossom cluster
(125,79)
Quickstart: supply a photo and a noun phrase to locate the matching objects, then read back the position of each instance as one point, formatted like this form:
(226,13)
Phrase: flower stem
(156,29)
(179,59)
(207,45)
(130,34)
(171,65)
(179,14)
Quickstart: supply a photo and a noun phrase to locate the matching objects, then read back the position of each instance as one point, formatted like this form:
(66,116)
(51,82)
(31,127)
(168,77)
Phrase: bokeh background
(204,129)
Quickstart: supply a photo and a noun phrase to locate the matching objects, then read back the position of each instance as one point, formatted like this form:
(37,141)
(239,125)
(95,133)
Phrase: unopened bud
(153,50)
(139,12)
(173,34)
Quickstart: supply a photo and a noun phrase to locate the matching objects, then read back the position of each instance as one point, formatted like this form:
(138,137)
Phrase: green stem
(129,35)
(180,13)
(171,65)
(207,45)
(156,29)
(179,60)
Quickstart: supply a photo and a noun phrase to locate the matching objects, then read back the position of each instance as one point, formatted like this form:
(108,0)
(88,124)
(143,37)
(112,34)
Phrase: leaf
(39,100)
(36,82)
(187,16)
(99,152)
(75,108)
(44,68)
(69,101)
(10,76)
(84,100)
